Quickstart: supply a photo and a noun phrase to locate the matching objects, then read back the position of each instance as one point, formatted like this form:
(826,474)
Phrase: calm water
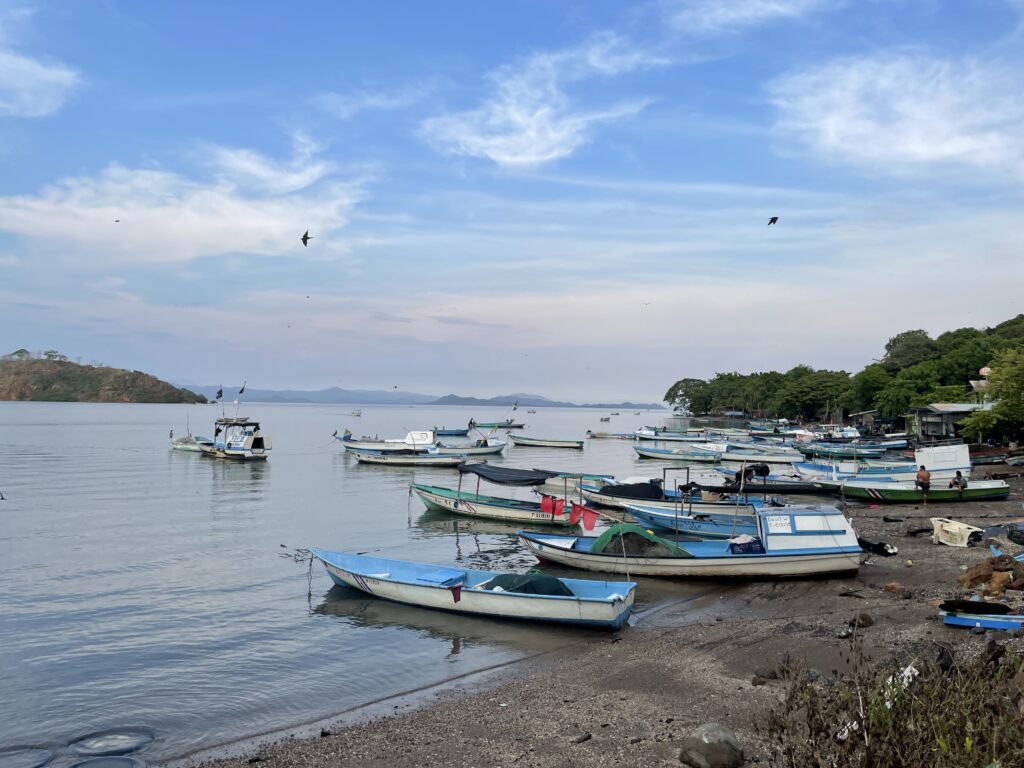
(143,587)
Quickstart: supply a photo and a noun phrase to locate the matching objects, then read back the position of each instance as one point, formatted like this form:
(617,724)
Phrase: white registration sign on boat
(778,524)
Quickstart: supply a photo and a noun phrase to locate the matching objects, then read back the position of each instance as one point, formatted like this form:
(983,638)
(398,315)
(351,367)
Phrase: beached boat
(543,442)
(508,424)
(535,597)
(237,438)
(942,461)
(899,492)
(684,453)
(407,458)
(715,525)
(451,432)
(794,541)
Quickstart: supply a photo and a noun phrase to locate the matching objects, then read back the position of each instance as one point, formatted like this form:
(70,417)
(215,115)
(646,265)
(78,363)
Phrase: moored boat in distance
(451,432)
(793,541)
(406,458)
(483,447)
(237,438)
(610,435)
(543,442)
(534,597)
(685,453)
(507,424)
(415,440)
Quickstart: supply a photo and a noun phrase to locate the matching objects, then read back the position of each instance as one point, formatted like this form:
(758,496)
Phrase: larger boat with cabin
(237,438)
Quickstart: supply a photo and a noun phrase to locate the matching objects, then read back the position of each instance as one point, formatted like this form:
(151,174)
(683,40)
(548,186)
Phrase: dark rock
(978,573)
(813,674)
(712,745)
(758,680)
(978,630)
(894,587)
(845,632)
(1015,533)
(1003,563)
(324,733)
(636,740)
(1018,570)
(862,620)
(582,737)
(256,759)
(890,519)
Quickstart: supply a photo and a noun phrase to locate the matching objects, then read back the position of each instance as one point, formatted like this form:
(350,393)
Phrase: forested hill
(914,370)
(64,381)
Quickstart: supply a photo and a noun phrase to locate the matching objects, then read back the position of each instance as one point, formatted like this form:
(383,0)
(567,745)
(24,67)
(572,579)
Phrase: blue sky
(566,198)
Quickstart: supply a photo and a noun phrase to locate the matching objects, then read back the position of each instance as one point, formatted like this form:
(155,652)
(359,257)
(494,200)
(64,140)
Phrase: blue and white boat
(446,432)
(703,525)
(533,597)
(406,458)
(237,438)
(792,541)
(683,453)
(608,495)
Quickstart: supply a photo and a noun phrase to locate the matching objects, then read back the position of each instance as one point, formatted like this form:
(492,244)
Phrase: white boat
(357,412)
(482,447)
(943,461)
(662,436)
(793,541)
(540,442)
(406,458)
(534,597)
(189,443)
(684,453)
(763,454)
(415,440)
(237,438)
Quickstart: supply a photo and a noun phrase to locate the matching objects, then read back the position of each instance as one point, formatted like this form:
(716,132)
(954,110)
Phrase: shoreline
(634,696)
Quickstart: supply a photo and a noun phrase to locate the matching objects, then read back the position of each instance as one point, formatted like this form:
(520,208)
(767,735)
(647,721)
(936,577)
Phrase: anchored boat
(542,442)
(407,458)
(534,597)
(237,438)
(460,502)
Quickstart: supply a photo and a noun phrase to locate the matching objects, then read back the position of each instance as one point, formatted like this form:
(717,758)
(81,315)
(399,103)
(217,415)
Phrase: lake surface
(144,588)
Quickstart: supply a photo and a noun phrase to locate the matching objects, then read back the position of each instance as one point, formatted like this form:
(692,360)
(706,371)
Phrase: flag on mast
(220,393)
(243,388)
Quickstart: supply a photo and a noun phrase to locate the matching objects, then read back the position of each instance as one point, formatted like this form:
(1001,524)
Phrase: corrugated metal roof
(959,407)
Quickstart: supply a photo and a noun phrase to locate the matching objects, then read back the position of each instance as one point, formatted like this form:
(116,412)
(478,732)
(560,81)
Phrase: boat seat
(442,576)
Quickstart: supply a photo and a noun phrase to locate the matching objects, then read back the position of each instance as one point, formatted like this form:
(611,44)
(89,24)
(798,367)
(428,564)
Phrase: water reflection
(462,632)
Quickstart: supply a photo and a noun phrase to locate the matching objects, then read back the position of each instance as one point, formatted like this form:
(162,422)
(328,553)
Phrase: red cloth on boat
(559,507)
(589,518)
(456,592)
(547,505)
(575,513)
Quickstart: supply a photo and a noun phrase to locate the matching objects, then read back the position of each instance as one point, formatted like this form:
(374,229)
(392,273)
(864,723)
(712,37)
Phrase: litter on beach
(951,532)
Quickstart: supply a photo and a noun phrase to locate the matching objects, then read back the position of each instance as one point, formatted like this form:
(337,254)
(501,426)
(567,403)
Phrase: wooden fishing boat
(610,435)
(406,458)
(898,492)
(534,597)
(482,447)
(239,439)
(704,525)
(415,440)
(607,496)
(508,424)
(686,453)
(451,432)
(542,442)
(471,504)
(794,541)
(840,450)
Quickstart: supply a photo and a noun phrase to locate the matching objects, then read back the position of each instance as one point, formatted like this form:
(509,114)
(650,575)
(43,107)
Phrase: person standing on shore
(924,481)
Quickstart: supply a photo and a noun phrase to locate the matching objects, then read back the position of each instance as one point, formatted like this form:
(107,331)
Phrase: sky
(564,198)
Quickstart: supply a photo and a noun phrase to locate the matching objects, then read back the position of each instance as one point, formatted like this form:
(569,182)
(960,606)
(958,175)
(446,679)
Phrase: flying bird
(170,435)
(646,303)
(773,220)
(117,221)
(305,239)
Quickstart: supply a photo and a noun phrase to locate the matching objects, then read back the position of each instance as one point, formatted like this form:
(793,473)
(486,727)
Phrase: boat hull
(621,502)
(678,454)
(736,566)
(916,496)
(398,460)
(483,602)
(486,507)
(541,443)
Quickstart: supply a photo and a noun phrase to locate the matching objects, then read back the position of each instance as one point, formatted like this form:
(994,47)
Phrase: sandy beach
(633,697)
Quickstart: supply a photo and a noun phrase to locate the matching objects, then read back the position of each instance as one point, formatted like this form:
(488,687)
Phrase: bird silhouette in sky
(773,220)
(646,304)
(305,239)
(117,221)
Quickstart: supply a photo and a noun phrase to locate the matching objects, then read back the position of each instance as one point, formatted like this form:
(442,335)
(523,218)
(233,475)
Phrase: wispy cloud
(29,86)
(32,88)
(345,106)
(718,16)
(531,119)
(134,215)
(901,112)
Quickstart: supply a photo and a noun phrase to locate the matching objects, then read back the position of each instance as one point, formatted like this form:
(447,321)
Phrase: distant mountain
(335,395)
(56,380)
(536,401)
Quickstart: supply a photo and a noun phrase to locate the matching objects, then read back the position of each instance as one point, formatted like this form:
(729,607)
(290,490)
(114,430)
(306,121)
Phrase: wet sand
(633,697)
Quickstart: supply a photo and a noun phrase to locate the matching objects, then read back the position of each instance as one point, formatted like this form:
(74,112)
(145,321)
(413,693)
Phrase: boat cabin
(240,434)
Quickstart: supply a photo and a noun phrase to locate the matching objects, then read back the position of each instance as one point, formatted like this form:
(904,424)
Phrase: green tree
(694,394)
(908,348)
(979,423)
(1006,385)
(865,386)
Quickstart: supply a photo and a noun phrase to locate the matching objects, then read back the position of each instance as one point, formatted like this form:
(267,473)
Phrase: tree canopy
(914,370)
